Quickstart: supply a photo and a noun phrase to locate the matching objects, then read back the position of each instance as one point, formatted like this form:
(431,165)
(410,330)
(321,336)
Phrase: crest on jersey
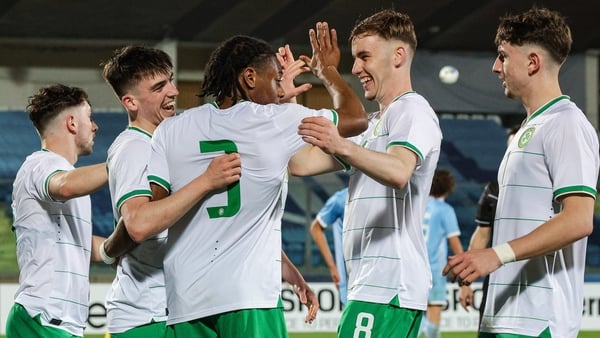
(526,137)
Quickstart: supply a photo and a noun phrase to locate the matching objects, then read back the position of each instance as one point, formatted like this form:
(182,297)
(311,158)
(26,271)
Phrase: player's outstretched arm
(573,222)
(78,182)
(158,215)
(291,275)
(324,63)
(142,218)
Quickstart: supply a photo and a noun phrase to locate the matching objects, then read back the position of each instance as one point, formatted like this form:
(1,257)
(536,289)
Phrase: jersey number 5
(233,190)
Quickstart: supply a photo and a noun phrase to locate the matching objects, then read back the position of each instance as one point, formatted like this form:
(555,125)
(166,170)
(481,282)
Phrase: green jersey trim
(575,189)
(135,193)
(161,182)
(47,183)
(134,128)
(335,117)
(546,106)
(406,145)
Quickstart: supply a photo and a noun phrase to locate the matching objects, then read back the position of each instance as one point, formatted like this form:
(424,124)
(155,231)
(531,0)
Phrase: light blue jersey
(332,214)
(439,224)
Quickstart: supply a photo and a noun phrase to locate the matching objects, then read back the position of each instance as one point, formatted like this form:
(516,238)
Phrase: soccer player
(142,79)
(440,228)
(224,264)
(332,215)
(547,183)
(391,172)
(53,218)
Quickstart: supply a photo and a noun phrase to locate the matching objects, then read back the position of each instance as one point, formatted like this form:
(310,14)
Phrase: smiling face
(374,60)
(153,98)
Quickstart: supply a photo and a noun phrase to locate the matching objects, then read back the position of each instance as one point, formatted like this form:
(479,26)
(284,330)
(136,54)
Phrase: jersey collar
(547,105)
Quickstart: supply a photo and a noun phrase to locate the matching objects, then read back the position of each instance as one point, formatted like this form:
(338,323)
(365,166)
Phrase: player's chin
(86,151)
(369,96)
(166,113)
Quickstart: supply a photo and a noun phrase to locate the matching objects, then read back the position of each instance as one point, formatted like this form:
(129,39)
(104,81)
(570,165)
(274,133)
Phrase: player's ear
(399,55)
(71,123)
(248,77)
(129,103)
(535,62)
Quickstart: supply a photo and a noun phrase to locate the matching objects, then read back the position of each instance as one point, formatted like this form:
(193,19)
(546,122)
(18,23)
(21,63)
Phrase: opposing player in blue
(332,215)
(440,227)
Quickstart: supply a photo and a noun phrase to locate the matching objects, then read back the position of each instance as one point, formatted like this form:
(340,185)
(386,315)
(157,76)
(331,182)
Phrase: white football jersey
(137,296)
(225,254)
(384,248)
(555,153)
(54,240)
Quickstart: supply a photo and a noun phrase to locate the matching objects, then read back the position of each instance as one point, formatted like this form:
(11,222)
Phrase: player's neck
(144,125)
(63,148)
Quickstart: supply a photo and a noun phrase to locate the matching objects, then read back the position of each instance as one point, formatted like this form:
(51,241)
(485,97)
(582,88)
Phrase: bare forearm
(289,272)
(455,245)
(96,242)
(560,231)
(78,182)
(119,243)
(394,168)
(480,238)
(319,237)
(311,160)
(156,216)
(352,115)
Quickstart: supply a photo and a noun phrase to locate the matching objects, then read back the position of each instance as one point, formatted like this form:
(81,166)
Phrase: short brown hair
(131,64)
(539,26)
(442,183)
(50,101)
(389,24)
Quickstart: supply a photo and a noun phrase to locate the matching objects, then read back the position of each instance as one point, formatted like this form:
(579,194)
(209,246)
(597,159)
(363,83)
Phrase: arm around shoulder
(78,182)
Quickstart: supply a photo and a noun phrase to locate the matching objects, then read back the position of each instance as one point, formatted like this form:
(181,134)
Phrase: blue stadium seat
(471,150)
(19,139)
(473,146)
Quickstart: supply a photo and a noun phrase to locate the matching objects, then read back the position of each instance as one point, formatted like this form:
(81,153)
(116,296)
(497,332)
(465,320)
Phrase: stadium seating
(471,150)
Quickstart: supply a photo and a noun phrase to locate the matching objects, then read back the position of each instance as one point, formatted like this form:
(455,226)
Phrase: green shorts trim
(365,319)
(154,329)
(250,323)
(545,334)
(20,325)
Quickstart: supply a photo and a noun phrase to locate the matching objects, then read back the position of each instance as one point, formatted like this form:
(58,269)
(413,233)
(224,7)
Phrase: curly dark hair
(539,26)
(131,64)
(51,101)
(442,184)
(228,61)
(389,24)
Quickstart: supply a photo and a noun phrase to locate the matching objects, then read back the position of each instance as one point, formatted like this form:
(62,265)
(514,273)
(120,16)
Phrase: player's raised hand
(291,69)
(325,48)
